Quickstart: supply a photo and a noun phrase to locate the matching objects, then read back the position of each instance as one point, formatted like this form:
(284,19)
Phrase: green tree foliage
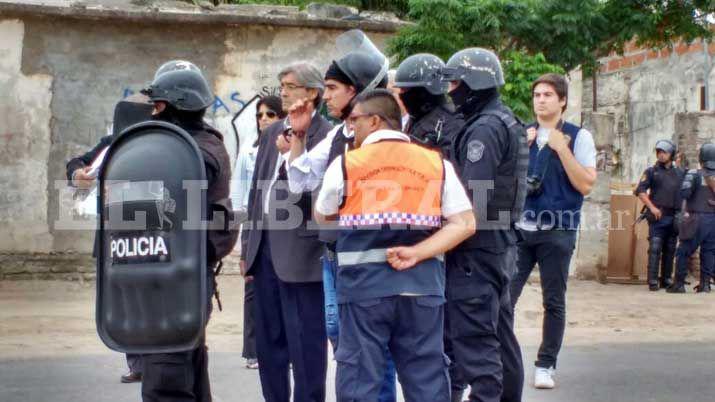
(538,36)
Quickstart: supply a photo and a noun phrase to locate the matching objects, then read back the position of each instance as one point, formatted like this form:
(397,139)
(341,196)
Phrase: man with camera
(564,174)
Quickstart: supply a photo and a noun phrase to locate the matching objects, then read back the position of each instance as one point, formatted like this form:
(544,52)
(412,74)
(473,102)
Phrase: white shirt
(243,174)
(266,194)
(306,172)
(454,197)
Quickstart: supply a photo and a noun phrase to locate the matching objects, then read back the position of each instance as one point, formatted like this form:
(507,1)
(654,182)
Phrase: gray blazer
(295,249)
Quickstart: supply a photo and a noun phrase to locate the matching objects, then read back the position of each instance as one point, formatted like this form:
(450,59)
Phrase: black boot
(677,287)
(704,285)
(656,245)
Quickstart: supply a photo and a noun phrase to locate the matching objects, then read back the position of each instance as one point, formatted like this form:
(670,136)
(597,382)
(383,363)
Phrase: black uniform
(479,270)
(700,226)
(183,376)
(436,129)
(663,181)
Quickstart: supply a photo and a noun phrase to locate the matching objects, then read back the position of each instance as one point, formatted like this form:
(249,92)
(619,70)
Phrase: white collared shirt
(306,172)
(454,197)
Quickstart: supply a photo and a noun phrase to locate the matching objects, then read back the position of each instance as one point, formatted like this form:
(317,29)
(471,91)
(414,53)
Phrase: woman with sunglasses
(268,111)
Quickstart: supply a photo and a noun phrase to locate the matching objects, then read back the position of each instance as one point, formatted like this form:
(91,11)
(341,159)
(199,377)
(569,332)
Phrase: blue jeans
(388,392)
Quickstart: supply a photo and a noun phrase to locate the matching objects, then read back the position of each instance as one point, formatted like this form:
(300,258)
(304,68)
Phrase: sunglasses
(270,114)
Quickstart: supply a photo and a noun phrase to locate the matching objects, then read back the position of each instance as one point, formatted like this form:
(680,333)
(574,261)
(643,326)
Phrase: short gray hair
(307,75)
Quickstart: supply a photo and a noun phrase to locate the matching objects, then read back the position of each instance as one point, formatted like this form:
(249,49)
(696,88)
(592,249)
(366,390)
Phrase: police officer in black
(181,97)
(658,190)
(491,158)
(433,121)
(697,222)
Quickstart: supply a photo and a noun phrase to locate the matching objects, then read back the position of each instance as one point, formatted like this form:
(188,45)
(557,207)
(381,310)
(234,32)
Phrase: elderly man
(283,256)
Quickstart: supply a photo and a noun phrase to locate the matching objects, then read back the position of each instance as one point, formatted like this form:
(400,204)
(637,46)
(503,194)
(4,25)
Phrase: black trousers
(249,322)
(552,250)
(481,326)
(134,362)
(177,377)
(181,376)
(290,330)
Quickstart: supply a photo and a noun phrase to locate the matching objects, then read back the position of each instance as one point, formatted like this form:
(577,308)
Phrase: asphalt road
(598,373)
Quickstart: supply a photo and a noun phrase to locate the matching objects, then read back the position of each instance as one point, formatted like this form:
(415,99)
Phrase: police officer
(491,157)
(432,121)
(390,281)
(662,201)
(181,96)
(697,226)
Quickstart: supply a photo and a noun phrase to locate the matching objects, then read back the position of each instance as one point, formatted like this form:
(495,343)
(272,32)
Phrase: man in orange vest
(389,197)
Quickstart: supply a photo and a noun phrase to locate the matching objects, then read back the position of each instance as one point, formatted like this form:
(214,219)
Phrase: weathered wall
(693,130)
(644,90)
(591,255)
(61,77)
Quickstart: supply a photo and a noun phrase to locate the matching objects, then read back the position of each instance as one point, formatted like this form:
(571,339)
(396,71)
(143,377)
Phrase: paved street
(622,344)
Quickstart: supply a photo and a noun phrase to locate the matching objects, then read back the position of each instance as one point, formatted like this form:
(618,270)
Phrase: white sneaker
(544,378)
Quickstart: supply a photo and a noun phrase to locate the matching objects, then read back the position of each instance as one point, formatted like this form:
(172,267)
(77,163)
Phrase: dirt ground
(51,318)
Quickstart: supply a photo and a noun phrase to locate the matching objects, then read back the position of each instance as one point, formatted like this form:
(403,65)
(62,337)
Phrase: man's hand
(242,268)
(81,179)
(558,141)
(283,143)
(299,115)
(402,258)
(656,212)
(530,135)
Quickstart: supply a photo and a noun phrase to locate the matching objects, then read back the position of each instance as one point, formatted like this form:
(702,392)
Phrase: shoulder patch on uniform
(475,150)
(644,177)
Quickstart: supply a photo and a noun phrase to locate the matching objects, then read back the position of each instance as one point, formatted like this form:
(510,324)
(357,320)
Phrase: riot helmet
(707,156)
(185,90)
(478,68)
(666,146)
(422,70)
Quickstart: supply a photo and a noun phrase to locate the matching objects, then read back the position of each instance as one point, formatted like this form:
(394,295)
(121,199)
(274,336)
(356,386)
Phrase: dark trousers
(662,239)
(411,328)
(249,324)
(182,376)
(552,250)
(134,362)
(481,327)
(177,377)
(705,239)
(290,329)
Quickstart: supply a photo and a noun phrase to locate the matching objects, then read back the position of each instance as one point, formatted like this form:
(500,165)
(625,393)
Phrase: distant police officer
(697,226)
(432,121)
(181,96)
(658,190)
(491,158)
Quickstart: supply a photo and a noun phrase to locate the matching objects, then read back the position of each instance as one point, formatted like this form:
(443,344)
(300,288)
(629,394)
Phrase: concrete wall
(644,90)
(61,77)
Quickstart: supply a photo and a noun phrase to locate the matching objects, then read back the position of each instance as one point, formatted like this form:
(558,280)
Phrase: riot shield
(132,110)
(355,40)
(152,290)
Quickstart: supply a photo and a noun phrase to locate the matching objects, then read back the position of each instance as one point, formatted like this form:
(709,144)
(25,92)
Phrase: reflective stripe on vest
(392,182)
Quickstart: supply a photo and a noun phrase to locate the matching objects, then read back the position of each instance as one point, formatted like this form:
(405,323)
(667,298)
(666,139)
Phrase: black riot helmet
(422,70)
(707,156)
(666,146)
(173,65)
(184,89)
(365,71)
(478,68)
